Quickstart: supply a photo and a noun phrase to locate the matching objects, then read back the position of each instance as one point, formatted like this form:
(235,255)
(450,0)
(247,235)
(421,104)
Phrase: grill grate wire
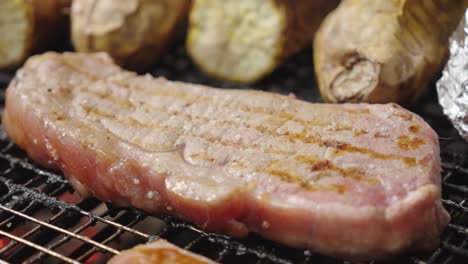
(42,220)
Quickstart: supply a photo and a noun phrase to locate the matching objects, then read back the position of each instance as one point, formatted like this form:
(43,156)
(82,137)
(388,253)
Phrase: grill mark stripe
(290,178)
(345,172)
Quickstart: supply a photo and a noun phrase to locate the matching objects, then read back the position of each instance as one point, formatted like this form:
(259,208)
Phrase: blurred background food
(134,32)
(383,51)
(244,40)
(28,26)
(373,51)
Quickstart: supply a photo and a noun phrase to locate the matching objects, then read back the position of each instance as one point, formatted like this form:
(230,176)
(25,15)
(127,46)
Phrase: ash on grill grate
(43,221)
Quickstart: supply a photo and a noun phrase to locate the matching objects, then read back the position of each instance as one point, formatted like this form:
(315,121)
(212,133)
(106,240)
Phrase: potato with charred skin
(244,40)
(134,32)
(382,51)
(28,26)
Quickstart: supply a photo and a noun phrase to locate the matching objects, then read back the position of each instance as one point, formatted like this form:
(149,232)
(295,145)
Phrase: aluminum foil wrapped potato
(134,32)
(28,26)
(452,88)
(244,40)
(383,50)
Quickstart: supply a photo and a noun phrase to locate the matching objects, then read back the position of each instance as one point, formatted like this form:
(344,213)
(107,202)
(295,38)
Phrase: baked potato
(28,26)
(382,51)
(244,40)
(134,32)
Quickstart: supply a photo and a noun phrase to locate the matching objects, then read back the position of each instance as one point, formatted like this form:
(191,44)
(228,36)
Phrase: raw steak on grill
(354,180)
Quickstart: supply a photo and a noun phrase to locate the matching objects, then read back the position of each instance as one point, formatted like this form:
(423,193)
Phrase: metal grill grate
(43,221)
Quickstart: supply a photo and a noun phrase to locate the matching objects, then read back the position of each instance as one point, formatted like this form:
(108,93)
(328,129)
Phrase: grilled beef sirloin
(354,180)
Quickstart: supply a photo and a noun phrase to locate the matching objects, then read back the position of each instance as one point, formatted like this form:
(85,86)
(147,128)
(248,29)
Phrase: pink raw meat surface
(353,180)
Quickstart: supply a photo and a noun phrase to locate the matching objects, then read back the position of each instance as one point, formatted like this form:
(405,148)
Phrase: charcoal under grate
(42,220)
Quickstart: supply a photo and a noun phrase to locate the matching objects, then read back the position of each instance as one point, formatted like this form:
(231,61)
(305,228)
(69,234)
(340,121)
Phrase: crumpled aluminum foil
(452,88)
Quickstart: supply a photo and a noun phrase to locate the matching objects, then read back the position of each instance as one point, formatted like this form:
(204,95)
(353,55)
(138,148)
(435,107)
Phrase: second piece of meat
(158,252)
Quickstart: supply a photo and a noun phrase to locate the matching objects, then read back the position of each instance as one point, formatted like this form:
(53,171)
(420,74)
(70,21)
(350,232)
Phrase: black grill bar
(36,203)
(38,247)
(29,233)
(61,230)
(35,258)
